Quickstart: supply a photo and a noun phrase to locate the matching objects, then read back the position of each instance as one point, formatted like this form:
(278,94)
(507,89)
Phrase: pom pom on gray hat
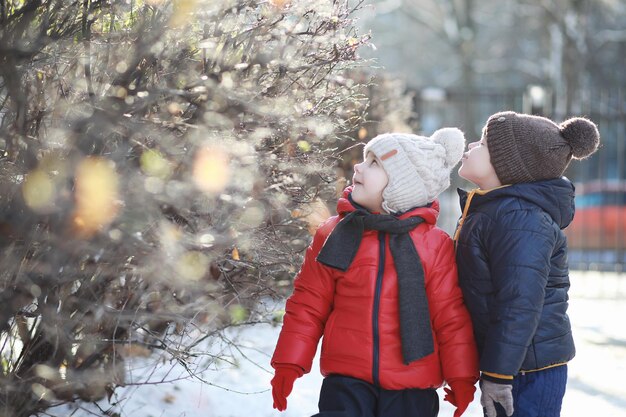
(582,136)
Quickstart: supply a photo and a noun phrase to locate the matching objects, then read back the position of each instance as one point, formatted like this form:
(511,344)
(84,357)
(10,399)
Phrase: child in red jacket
(379,282)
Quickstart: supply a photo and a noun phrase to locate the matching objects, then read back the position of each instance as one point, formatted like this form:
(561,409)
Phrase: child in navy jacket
(512,258)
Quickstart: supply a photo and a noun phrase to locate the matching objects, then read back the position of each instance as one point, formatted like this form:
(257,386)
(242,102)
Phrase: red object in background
(600,219)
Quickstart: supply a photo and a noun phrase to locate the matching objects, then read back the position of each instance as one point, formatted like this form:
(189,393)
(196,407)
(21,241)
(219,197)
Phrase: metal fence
(597,236)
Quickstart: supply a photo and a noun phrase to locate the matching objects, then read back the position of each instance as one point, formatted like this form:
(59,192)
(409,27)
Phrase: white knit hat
(418,167)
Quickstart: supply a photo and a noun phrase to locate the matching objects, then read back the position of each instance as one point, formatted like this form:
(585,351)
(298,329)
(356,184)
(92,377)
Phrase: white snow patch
(595,385)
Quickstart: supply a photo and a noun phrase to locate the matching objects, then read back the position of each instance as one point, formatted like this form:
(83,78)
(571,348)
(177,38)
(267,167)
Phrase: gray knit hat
(525,148)
(418,167)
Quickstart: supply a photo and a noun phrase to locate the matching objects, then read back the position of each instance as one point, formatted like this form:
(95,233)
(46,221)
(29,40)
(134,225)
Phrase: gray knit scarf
(341,247)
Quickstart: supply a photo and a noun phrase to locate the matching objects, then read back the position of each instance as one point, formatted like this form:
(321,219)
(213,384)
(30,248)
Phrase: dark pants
(343,396)
(538,394)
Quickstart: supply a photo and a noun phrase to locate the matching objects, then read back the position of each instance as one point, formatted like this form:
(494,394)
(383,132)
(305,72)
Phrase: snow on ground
(241,388)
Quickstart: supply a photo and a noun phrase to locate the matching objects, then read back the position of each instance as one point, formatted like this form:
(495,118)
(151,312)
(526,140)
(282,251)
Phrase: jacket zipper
(459,225)
(379,285)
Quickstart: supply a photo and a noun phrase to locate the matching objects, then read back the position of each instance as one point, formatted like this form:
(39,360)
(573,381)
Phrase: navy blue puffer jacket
(512,261)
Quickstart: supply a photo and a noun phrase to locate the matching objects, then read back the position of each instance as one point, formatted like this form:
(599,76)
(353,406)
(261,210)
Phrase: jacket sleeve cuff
(497,378)
(291,366)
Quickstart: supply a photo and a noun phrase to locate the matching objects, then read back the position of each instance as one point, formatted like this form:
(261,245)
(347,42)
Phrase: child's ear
(453,140)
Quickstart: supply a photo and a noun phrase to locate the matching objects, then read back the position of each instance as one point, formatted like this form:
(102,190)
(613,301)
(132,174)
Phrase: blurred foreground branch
(159,161)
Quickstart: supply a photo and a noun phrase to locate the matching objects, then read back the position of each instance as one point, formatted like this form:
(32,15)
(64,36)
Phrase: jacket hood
(555,197)
(429,213)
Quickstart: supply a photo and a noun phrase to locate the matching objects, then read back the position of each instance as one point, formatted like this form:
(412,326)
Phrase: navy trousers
(342,396)
(538,394)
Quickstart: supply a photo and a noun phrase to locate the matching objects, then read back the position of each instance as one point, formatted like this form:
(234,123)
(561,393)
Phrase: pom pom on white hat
(453,140)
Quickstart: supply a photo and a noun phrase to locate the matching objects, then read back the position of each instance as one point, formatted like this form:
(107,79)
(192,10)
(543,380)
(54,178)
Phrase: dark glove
(282,384)
(460,394)
(499,392)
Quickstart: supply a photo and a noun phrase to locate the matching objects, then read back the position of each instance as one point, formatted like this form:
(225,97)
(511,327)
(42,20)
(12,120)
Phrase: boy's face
(369,180)
(476,165)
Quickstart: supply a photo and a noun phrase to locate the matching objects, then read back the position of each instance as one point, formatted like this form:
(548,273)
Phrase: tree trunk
(466,38)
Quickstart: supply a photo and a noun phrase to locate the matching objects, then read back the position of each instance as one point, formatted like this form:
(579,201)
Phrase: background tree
(570,47)
(585,37)
(452,21)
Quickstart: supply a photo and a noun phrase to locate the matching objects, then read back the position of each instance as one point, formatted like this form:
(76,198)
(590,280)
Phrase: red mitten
(460,394)
(282,384)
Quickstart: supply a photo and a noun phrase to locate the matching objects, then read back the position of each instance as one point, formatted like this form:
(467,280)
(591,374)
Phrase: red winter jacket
(357,313)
